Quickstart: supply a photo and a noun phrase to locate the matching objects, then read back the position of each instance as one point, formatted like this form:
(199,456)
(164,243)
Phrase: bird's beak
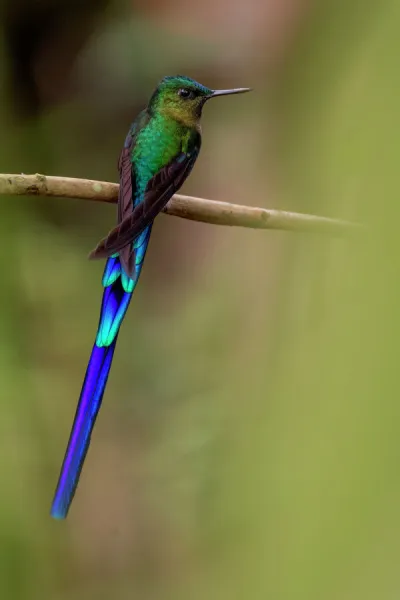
(227,92)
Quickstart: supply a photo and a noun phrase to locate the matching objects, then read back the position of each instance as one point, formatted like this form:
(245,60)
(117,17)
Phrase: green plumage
(157,143)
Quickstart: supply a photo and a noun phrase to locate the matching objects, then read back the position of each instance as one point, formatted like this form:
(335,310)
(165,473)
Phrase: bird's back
(157,142)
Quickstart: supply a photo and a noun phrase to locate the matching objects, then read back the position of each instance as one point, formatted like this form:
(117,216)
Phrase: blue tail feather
(85,417)
(116,298)
(113,309)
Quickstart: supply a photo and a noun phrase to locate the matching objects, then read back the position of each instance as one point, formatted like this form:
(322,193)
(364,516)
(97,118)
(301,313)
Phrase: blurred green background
(248,443)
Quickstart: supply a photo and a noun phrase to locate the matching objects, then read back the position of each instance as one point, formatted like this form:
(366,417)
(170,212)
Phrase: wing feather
(158,192)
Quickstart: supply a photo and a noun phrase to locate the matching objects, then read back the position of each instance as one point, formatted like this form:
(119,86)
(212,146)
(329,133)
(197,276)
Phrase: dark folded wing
(158,191)
(126,198)
(127,184)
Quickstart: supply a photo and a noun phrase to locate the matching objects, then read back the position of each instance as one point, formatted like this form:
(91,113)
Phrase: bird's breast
(157,144)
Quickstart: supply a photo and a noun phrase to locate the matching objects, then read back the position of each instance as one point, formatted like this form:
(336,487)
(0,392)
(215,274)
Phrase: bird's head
(182,98)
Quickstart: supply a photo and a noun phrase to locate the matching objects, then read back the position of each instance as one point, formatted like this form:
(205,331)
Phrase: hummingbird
(159,153)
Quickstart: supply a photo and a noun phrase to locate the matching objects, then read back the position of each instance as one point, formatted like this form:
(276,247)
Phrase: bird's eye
(185,93)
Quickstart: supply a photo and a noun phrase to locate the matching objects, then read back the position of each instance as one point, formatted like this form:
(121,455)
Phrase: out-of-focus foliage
(248,444)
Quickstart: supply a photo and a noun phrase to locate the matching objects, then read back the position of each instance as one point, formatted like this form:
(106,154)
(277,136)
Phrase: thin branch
(187,207)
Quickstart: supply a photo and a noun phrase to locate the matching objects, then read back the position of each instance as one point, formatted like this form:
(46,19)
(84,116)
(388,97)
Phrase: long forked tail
(116,297)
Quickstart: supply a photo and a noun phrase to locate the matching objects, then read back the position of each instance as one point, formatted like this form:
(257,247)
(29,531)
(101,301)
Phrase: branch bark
(186,207)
